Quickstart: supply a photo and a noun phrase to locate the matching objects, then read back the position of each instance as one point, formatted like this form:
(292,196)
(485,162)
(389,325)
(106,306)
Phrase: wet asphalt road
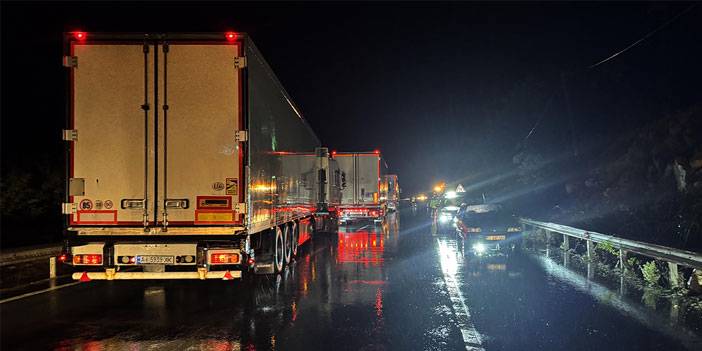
(386,287)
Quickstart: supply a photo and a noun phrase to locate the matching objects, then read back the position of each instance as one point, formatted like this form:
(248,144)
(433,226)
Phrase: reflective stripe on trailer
(156,275)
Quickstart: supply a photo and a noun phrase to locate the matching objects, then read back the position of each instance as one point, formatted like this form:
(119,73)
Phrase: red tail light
(231,36)
(63,257)
(88,259)
(251,261)
(224,258)
(79,35)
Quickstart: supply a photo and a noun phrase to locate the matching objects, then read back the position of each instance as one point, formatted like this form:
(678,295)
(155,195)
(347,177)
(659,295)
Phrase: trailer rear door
(202,158)
(362,178)
(112,147)
(177,161)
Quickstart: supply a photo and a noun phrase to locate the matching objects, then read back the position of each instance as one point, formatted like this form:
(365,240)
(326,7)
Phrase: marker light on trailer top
(231,36)
(79,35)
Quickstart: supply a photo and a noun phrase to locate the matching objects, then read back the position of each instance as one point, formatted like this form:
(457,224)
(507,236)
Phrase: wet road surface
(393,286)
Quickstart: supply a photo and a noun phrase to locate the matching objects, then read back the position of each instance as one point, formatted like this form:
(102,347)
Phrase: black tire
(295,238)
(278,249)
(287,235)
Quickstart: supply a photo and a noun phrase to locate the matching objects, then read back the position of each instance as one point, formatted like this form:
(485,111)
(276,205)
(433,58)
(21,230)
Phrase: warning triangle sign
(84,277)
(227,276)
(459,189)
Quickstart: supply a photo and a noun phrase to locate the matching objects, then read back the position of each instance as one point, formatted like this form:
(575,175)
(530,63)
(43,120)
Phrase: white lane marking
(448,257)
(9,299)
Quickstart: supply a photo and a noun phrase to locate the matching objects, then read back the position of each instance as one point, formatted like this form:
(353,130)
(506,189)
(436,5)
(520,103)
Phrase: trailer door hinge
(240,62)
(241,135)
(69,208)
(70,61)
(241,208)
(70,134)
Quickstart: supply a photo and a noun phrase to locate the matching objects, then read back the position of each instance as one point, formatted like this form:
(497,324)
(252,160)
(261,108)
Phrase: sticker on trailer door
(218,186)
(86,205)
(232,186)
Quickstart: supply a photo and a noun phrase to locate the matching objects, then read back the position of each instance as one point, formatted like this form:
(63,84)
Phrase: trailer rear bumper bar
(202,275)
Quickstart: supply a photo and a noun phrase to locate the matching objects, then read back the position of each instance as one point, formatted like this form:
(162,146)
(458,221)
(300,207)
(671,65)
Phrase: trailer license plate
(155,260)
(495,237)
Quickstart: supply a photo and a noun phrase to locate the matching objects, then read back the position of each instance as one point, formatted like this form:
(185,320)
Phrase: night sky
(446,91)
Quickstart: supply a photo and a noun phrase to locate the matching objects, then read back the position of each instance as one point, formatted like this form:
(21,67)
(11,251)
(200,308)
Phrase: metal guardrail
(658,252)
(31,254)
(28,254)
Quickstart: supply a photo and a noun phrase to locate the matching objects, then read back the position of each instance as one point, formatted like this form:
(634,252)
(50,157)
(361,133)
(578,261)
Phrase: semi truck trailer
(320,180)
(177,165)
(363,191)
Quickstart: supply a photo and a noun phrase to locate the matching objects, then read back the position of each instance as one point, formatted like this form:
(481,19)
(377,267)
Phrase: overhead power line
(646,36)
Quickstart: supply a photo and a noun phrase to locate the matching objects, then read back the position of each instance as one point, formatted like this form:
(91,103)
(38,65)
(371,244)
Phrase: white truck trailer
(364,191)
(176,169)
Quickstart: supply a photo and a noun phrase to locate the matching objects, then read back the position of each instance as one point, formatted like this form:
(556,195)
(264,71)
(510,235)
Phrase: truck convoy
(187,159)
(364,193)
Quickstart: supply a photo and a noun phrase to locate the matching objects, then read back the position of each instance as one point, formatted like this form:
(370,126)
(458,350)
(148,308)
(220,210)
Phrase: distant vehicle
(392,192)
(362,186)
(446,212)
(488,228)
(183,163)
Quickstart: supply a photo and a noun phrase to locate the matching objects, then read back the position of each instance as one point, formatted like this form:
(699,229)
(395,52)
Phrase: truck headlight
(479,248)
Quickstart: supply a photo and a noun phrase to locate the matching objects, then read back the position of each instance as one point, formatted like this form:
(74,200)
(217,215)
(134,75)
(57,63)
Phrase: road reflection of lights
(450,263)
(379,303)
(156,344)
(608,297)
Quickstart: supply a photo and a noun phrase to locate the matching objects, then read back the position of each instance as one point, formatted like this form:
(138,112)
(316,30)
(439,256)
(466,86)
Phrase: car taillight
(224,258)
(87,259)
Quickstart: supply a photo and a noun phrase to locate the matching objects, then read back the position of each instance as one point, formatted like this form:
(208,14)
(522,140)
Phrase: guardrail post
(566,242)
(673,275)
(590,249)
(52,267)
(622,260)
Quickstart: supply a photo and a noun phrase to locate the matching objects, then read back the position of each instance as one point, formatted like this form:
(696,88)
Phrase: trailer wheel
(278,249)
(295,238)
(288,243)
